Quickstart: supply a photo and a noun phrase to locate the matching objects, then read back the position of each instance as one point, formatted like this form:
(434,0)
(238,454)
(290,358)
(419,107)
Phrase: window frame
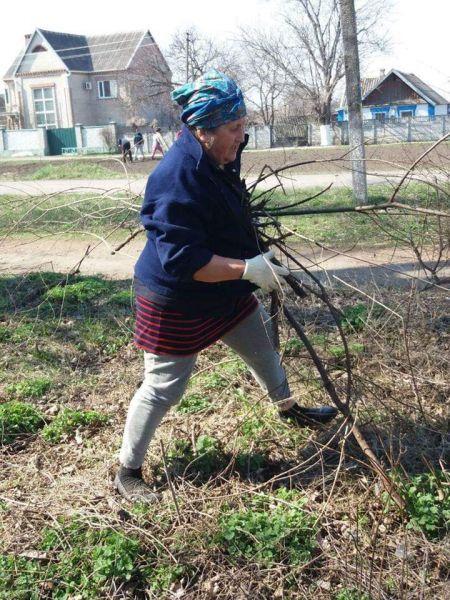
(112,83)
(45,111)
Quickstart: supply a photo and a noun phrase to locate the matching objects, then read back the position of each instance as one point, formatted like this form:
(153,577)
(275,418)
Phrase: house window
(380,116)
(107,89)
(406,114)
(44,106)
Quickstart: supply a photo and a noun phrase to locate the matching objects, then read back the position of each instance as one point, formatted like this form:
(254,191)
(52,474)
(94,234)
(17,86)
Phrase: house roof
(369,84)
(111,52)
(414,82)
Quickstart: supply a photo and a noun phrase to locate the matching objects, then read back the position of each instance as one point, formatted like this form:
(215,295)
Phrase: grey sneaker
(130,484)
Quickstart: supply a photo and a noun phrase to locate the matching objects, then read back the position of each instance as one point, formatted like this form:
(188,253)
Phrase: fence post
(254,137)
(408,134)
(2,140)
(43,141)
(310,134)
(78,137)
(444,123)
(375,140)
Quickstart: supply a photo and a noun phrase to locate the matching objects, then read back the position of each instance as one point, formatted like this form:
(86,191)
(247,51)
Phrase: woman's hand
(263,273)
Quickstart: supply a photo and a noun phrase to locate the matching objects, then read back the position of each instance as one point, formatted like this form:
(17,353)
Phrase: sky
(418,36)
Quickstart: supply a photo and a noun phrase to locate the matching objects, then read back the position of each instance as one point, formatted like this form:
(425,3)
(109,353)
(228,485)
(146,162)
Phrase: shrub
(268,530)
(17,418)
(68,420)
(29,388)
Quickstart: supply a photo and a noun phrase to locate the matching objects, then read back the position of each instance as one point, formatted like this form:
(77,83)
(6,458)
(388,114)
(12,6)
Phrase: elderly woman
(195,278)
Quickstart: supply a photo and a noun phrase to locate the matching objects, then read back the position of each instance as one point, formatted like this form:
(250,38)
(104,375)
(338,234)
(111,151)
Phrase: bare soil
(392,267)
(381,158)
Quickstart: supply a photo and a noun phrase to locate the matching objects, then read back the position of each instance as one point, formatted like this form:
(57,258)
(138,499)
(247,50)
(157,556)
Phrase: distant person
(138,142)
(125,147)
(159,145)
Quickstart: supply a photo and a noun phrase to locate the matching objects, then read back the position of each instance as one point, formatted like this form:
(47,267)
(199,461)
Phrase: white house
(397,95)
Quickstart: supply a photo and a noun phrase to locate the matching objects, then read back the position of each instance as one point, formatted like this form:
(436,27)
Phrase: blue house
(397,95)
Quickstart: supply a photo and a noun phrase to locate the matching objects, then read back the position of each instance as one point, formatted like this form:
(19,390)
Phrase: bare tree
(145,87)
(353,92)
(191,54)
(309,51)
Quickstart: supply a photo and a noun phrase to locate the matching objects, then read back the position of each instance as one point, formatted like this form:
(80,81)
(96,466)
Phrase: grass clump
(29,388)
(269,530)
(18,418)
(74,170)
(86,290)
(68,421)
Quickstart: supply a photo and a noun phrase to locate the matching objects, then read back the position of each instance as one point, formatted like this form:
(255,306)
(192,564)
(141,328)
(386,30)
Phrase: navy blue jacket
(192,210)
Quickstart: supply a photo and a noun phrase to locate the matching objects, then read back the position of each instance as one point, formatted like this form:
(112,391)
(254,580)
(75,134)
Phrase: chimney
(382,73)
(27,38)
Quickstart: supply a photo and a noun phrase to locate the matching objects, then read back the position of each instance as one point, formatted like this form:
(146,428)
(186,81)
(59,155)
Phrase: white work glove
(263,273)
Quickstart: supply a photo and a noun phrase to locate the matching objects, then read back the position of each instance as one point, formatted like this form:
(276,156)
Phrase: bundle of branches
(266,219)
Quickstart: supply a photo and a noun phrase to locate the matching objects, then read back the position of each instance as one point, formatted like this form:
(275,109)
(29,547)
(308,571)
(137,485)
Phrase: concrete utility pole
(353,92)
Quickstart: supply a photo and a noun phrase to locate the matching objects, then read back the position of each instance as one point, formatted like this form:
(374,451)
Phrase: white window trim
(36,112)
(112,89)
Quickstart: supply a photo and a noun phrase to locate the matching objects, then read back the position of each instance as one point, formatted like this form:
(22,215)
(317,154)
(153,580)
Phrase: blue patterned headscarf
(211,100)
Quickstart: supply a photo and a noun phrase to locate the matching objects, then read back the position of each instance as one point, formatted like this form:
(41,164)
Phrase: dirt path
(137,186)
(382,266)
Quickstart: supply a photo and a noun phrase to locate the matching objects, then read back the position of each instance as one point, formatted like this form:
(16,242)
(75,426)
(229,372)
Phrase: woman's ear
(205,137)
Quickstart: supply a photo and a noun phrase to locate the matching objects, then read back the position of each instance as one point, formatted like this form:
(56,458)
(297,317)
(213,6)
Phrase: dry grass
(362,550)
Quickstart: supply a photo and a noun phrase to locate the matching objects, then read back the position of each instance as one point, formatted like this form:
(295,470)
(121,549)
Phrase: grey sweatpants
(166,378)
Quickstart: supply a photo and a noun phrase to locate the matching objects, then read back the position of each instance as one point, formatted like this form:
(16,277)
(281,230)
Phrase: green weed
(104,335)
(82,562)
(351,594)
(193,403)
(427,497)
(162,577)
(29,388)
(68,421)
(269,530)
(18,418)
(205,459)
(355,317)
(339,351)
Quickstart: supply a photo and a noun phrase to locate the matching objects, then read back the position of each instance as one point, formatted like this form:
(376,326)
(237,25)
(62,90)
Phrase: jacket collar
(189,144)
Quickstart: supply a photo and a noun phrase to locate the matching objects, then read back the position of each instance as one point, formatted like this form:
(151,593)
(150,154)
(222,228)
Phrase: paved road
(137,186)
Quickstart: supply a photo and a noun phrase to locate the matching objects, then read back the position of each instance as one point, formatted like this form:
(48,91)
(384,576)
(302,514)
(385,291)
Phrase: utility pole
(187,54)
(354,104)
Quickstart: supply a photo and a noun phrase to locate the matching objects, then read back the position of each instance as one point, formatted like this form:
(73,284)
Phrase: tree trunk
(353,91)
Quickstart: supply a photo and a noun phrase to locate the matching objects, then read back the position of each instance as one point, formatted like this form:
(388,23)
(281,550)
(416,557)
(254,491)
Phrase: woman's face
(223,142)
